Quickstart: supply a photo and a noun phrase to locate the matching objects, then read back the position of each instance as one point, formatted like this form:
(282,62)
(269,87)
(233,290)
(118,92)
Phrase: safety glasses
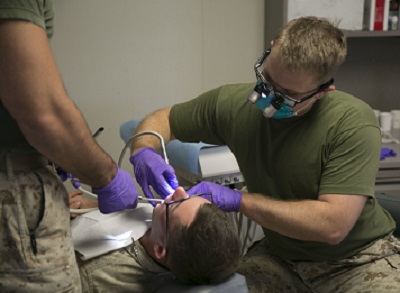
(269,90)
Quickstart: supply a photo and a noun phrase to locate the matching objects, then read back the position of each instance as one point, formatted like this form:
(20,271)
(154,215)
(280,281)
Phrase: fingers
(172,181)
(76,184)
(62,174)
(194,190)
(163,189)
(75,193)
(147,193)
(75,205)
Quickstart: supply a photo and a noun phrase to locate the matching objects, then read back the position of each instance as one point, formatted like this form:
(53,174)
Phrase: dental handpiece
(151,199)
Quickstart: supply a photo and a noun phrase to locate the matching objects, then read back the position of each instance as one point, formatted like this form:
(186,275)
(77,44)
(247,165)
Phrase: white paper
(95,233)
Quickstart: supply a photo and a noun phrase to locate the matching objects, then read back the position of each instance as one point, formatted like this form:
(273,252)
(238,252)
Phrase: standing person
(309,155)
(38,122)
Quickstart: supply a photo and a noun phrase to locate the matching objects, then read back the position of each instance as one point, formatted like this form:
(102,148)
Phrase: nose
(178,194)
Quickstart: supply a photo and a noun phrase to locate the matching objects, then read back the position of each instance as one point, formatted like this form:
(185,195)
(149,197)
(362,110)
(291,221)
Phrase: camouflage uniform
(36,250)
(128,269)
(375,269)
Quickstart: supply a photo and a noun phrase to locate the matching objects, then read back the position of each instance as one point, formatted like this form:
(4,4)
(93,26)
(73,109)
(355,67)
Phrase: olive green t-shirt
(40,13)
(333,149)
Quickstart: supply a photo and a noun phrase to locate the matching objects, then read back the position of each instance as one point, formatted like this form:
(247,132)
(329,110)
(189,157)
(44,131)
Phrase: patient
(199,245)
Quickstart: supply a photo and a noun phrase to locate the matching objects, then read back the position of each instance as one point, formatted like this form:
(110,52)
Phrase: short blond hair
(312,44)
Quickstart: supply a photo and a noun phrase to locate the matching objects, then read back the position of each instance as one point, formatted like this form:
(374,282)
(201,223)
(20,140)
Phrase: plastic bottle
(394,21)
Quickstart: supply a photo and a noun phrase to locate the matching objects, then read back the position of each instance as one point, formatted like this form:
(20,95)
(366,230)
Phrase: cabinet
(371,71)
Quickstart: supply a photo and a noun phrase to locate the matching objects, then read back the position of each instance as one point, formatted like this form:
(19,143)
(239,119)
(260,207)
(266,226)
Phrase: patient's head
(196,240)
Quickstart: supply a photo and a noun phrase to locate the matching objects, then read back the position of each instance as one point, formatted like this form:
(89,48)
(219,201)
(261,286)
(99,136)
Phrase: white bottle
(385,119)
(395,119)
(394,21)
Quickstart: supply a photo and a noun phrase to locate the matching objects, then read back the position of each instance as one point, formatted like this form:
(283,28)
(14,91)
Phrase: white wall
(124,59)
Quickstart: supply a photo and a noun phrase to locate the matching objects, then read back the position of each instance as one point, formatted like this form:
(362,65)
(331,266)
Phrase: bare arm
(328,219)
(32,91)
(159,122)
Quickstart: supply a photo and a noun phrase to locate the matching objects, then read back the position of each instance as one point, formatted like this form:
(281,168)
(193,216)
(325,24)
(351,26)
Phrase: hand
(64,176)
(223,197)
(151,169)
(77,201)
(118,195)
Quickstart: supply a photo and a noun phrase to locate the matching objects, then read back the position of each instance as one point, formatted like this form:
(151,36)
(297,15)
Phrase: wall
(123,59)
(371,71)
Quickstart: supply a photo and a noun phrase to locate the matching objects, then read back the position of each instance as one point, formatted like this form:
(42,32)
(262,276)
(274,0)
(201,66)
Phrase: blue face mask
(269,111)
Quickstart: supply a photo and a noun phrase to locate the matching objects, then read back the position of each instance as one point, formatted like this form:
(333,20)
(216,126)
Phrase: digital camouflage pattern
(128,269)
(373,270)
(36,250)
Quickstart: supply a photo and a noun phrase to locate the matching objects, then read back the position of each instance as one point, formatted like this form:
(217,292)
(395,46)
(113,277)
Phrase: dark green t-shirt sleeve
(353,163)
(40,13)
(196,120)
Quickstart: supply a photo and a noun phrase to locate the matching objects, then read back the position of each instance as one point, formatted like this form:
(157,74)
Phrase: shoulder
(346,110)
(230,90)
(240,90)
(224,97)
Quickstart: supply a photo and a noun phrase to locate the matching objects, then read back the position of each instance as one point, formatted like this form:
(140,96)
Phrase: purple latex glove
(64,176)
(151,169)
(223,197)
(118,195)
(386,152)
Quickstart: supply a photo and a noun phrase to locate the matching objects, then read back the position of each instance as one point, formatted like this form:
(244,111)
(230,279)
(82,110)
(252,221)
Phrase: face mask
(268,105)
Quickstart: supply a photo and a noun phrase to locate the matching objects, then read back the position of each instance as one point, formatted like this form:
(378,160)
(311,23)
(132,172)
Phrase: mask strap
(305,106)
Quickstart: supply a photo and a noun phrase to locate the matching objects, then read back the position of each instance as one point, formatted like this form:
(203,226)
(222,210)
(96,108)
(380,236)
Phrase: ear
(159,251)
(323,92)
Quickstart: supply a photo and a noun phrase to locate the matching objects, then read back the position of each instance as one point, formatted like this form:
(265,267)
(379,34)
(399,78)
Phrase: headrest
(235,283)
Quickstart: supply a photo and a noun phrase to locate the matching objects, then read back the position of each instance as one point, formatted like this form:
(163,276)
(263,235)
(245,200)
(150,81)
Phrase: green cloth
(40,13)
(333,149)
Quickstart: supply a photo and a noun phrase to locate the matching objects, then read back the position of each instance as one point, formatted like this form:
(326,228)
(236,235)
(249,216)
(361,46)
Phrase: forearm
(33,93)
(62,135)
(309,220)
(158,122)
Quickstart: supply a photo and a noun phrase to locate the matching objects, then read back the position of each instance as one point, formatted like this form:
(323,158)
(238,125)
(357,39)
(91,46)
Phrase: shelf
(368,34)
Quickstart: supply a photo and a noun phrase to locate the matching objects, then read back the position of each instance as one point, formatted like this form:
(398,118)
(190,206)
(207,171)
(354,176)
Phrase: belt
(22,162)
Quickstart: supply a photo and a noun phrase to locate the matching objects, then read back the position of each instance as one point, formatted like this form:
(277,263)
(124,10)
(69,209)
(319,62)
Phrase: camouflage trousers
(373,270)
(36,249)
